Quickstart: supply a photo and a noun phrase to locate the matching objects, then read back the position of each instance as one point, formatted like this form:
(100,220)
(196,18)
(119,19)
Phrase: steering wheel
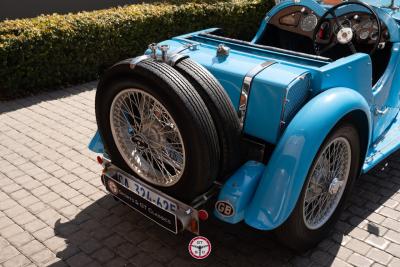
(344,34)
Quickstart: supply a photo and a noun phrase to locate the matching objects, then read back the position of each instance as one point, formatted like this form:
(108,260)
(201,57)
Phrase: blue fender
(284,176)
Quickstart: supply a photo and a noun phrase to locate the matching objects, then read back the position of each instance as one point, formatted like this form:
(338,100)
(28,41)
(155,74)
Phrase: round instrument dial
(363,34)
(309,22)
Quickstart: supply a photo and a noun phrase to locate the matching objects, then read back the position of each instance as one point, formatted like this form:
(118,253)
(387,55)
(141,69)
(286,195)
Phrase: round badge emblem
(224,208)
(113,187)
(199,247)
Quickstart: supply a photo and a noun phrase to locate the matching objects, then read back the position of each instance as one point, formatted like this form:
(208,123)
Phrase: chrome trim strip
(175,58)
(137,60)
(176,55)
(247,81)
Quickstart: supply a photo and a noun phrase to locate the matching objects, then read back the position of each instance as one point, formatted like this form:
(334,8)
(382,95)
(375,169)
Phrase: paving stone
(339,263)
(358,246)
(7,253)
(15,211)
(43,256)
(359,261)
(393,236)
(103,255)
(33,226)
(7,204)
(41,190)
(391,224)
(24,218)
(90,246)
(59,203)
(10,231)
(394,263)
(37,207)
(340,252)
(391,213)
(20,239)
(79,259)
(394,249)
(113,241)
(44,234)
(117,262)
(379,256)
(5,222)
(11,188)
(54,243)
(378,242)
(17,261)
(31,248)
(142,259)
(358,233)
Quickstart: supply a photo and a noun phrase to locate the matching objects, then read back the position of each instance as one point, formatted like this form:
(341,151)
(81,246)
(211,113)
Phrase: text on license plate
(145,193)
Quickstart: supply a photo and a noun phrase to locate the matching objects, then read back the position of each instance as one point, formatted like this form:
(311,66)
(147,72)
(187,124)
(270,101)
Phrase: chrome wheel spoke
(147,137)
(327,182)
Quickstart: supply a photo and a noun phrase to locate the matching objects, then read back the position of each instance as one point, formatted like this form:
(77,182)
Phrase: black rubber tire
(293,233)
(222,111)
(188,111)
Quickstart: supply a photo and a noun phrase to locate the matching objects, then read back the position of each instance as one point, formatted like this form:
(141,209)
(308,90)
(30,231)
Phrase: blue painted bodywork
(239,190)
(320,93)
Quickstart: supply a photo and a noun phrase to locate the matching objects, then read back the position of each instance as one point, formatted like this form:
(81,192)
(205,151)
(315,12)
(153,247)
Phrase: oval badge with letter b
(224,208)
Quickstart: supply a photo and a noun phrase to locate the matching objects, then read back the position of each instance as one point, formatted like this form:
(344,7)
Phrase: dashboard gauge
(374,35)
(363,34)
(309,22)
(291,19)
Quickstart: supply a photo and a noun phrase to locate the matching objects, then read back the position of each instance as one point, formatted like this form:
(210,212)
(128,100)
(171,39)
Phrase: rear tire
(309,224)
(222,112)
(187,117)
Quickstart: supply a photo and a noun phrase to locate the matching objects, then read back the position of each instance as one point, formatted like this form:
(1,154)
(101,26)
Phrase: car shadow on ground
(107,232)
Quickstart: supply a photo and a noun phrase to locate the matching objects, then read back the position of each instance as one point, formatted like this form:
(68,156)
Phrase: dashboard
(302,20)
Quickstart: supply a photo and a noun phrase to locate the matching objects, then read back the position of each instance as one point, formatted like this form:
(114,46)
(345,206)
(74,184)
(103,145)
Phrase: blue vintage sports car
(277,129)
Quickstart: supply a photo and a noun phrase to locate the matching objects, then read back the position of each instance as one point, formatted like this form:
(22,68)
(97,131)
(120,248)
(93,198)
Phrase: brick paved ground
(54,211)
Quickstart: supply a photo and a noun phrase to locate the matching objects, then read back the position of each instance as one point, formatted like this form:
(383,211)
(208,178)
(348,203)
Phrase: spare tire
(155,125)
(222,111)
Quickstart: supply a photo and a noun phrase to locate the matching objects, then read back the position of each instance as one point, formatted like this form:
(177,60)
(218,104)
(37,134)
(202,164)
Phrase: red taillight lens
(100,160)
(203,215)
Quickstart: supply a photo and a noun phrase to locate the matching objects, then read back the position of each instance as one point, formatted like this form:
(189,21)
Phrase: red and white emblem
(199,247)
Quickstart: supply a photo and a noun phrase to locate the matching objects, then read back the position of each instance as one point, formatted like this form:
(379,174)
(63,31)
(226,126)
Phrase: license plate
(144,200)
(146,193)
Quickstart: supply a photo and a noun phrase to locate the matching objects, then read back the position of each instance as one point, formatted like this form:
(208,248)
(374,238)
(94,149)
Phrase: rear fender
(284,176)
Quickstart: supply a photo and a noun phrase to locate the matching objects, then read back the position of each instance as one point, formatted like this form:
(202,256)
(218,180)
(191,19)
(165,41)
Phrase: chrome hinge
(381,112)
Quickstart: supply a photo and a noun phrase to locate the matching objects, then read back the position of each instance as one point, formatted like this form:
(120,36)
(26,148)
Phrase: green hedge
(58,50)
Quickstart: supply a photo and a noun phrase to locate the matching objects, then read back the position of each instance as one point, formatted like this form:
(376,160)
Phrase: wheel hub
(345,35)
(153,136)
(334,186)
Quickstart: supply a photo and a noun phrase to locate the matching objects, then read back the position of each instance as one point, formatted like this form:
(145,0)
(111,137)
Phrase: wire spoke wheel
(327,183)
(147,137)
